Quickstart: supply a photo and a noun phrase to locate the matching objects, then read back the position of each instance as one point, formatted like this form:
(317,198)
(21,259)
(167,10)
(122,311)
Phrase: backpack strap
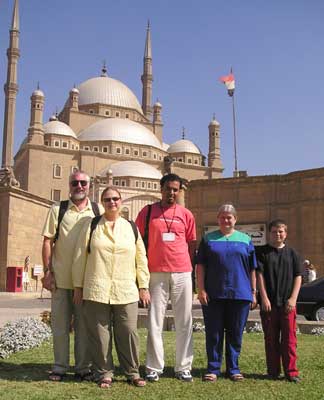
(147,223)
(94,223)
(63,208)
(135,230)
(95,208)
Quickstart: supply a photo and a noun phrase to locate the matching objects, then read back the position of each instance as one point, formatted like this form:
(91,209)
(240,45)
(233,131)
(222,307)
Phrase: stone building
(102,129)
(297,197)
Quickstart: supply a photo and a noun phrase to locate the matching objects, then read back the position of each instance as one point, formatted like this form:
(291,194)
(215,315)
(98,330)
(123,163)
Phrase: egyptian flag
(229,82)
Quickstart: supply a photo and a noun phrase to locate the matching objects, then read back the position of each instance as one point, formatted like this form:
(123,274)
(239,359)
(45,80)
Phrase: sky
(276,50)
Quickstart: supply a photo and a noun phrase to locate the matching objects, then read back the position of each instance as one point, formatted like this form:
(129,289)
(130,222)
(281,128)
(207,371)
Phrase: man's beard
(78,196)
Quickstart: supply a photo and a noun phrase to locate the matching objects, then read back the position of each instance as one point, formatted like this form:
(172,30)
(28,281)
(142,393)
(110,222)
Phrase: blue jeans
(229,316)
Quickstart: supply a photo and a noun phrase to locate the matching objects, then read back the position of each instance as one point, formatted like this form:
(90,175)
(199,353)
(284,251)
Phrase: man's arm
(291,302)
(192,250)
(47,252)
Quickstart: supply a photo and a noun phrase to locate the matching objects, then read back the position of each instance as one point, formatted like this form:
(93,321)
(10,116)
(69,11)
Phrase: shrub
(22,334)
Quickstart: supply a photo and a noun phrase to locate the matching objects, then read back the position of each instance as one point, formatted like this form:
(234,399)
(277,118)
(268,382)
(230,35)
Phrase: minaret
(214,156)
(11,90)
(157,120)
(147,77)
(35,130)
(74,99)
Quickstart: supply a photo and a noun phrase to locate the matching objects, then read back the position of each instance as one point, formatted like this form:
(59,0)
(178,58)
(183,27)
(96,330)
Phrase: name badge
(168,236)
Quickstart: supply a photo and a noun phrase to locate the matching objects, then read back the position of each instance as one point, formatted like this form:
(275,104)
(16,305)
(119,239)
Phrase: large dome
(136,169)
(58,128)
(120,130)
(183,146)
(106,90)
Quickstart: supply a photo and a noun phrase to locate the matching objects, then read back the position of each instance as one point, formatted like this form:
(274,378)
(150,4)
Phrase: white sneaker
(184,376)
(152,376)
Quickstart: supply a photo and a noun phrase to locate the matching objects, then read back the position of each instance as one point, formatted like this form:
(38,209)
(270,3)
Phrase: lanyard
(168,226)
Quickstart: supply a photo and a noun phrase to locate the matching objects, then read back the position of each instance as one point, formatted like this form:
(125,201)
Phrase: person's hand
(145,297)
(290,305)
(203,297)
(254,302)
(265,305)
(77,296)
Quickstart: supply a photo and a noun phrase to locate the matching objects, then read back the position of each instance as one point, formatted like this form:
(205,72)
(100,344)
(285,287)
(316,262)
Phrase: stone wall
(22,216)
(297,197)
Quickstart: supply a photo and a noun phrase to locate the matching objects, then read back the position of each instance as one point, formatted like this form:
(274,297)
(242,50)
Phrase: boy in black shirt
(279,277)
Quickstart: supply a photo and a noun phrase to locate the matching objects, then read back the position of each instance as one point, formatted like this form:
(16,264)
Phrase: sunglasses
(109,199)
(76,183)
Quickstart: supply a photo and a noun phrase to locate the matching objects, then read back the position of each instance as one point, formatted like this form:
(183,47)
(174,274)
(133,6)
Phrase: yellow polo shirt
(70,229)
(109,273)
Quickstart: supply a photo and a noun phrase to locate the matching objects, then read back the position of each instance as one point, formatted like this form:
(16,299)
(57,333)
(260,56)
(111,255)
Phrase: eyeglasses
(109,199)
(76,183)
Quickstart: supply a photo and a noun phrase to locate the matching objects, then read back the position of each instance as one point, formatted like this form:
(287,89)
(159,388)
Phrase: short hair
(78,172)
(114,188)
(170,178)
(228,208)
(276,223)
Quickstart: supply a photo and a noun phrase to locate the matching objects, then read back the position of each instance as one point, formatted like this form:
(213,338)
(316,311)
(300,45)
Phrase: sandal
(105,383)
(138,382)
(56,377)
(88,377)
(209,377)
(236,377)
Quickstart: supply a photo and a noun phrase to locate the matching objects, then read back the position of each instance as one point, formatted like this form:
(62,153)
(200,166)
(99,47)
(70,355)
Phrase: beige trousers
(103,320)
(62,311)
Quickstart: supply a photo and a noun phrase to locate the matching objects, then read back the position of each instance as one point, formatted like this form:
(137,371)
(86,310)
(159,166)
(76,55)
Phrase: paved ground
(16,305)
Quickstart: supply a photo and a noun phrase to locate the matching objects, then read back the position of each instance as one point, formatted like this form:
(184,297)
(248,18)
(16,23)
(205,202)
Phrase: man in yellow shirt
(57,252)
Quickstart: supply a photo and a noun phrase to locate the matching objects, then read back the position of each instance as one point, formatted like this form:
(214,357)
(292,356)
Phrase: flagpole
(234,134)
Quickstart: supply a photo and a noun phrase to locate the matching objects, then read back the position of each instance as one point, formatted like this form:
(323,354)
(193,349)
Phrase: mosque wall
(297,197)
(22,216)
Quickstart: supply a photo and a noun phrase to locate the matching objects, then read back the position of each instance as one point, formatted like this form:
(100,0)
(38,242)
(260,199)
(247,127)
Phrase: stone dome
(183,146)
(38,92)
(106,90)
(135,169)
(120,130)
(55,127)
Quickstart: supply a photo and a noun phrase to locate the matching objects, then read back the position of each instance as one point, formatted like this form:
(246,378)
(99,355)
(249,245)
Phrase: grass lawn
(24,376)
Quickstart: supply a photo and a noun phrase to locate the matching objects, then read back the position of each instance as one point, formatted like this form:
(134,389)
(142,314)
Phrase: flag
(229,82)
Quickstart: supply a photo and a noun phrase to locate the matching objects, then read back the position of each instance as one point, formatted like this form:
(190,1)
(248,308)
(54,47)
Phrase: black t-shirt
(279,268)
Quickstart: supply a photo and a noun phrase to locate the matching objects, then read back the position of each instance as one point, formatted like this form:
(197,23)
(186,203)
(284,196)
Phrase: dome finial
(104,68)
(38,85)
(183,133)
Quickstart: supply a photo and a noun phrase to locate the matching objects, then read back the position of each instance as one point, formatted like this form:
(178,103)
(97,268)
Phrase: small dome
(120,130)
(74,90)
(136,169)
(165,146)
(105,90)
(38,92)
(53,118)
(58,128)
(214,122)
(158,105)
(183,146)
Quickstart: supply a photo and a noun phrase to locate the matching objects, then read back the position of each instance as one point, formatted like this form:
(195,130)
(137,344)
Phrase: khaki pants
(178,287)
(121,319)
(62,311)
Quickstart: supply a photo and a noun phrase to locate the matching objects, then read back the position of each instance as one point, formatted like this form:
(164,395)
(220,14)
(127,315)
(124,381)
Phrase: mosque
(106,131)
(103,129)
